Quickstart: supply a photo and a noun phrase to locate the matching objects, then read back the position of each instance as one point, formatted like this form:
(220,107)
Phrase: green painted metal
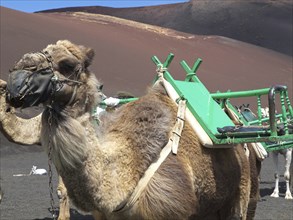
(209,113)
(207,108)
(269,142)
(191,73)
(240,94)
(200,103)
(278,146)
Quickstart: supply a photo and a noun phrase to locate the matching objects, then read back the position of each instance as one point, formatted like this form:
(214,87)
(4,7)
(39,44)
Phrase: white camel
(287,153)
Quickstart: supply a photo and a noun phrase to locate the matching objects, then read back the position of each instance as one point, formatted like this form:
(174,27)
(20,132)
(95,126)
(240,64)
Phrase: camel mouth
(26,88)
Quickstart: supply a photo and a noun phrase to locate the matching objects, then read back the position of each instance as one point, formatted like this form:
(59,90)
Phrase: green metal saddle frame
(207,108)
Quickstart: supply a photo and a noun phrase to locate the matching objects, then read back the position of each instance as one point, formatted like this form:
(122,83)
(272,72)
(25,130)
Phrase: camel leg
(1,194)
(291,171)
(275,194)
(242,202)
(242,209)
(64,206)
(255,167)
(288,158)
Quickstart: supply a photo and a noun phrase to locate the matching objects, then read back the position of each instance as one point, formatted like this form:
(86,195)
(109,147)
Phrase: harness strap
(73,96)
(172,145)
(177,130)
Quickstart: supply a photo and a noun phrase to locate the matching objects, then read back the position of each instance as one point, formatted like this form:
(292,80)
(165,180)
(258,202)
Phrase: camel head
(57,74)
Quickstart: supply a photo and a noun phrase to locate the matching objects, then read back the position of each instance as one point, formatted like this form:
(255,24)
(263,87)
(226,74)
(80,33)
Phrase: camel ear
(89,56)
(72,48)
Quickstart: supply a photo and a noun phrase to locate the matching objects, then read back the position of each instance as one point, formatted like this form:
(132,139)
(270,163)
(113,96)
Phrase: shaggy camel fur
(101,166)
(255,168)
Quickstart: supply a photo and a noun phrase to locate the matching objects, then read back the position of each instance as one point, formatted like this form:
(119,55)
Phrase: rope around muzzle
(58,82)
(171,146)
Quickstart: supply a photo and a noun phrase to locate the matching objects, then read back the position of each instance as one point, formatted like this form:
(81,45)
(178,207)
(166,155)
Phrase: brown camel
(102,166)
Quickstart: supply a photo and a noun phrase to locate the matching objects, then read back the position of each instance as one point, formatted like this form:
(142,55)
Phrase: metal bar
(190,75)
(279,146)
(290,109)
(123,101)
(272,107)
(239,94)
(168,60)
(259,115)
(196,65)
(284,115)
(253,139)
(263,120)
(244,134)
(156,60)
(190,72)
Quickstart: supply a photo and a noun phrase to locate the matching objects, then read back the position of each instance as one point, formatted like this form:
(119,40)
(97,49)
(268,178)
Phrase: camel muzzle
(26,88)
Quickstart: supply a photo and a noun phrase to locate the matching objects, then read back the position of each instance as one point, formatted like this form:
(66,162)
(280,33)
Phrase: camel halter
(58,82)
(172,146)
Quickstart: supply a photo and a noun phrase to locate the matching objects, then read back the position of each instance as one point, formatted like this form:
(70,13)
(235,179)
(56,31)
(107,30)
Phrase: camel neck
(65,137)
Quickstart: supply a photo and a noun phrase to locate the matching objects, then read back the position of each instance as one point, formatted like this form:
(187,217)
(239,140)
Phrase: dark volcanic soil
(27,197)
(264,23)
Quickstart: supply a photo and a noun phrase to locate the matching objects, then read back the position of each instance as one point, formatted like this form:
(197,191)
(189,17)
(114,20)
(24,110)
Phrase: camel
(287,153)
(103,166)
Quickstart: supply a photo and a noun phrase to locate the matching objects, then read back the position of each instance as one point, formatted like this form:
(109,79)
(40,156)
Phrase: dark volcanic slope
(123,51)
(124,48)
(265,23)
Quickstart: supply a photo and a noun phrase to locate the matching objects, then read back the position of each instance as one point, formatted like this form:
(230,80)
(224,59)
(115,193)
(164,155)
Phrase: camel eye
(100,87)
(31,68)
(67,66)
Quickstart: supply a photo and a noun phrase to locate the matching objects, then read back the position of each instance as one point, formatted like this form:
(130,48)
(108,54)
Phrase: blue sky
(36,5)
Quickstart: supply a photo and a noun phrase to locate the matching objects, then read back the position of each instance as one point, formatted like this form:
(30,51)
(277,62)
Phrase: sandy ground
(27,197)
